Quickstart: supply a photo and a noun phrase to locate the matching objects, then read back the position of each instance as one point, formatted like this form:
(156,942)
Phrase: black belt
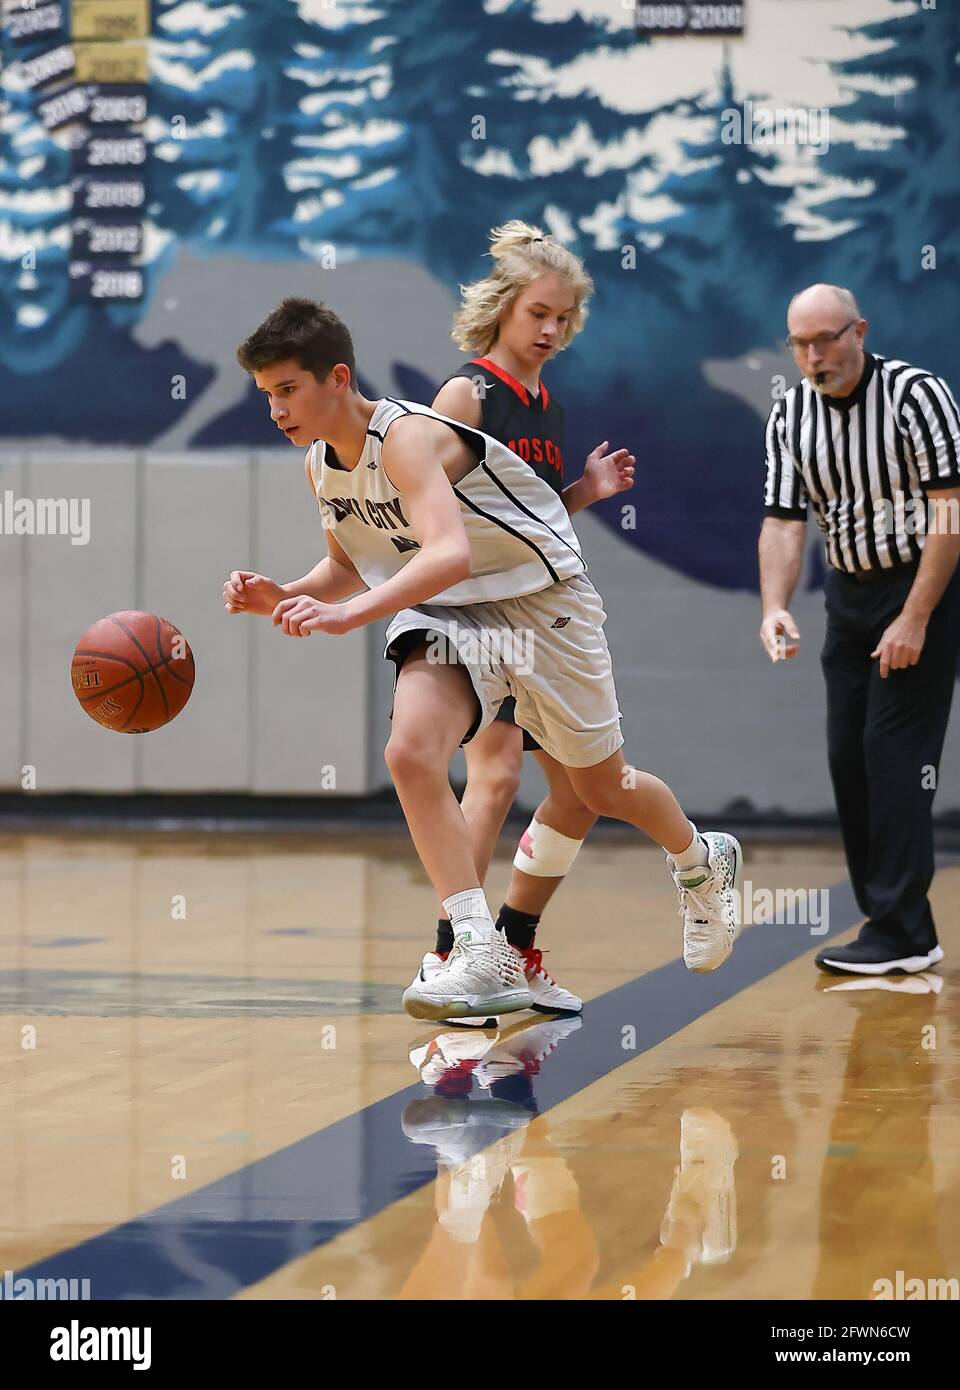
(872,576)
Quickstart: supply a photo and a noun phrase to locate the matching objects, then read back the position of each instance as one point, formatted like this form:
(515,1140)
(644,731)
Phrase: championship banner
(34,23)
(114,239)
(110,185)
(116,283)
(111,152)
(54,65)
(690,17)
(120,104)
(70,104)
(98,194)
(112,20)
(112,62)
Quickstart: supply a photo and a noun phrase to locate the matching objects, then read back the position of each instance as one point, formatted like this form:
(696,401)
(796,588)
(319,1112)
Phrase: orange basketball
(132,672)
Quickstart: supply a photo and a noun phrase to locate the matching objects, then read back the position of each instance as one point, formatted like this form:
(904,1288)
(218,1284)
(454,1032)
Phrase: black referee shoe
(875,958)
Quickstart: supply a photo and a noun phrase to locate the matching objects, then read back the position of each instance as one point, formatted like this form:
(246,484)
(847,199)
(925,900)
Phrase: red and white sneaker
(548,997)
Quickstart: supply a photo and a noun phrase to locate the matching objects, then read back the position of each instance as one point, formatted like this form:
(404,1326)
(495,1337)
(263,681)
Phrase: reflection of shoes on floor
(895,984)
(447,1053)
(703,1189)
(476,1142)
(521,1050)
(458,1129)
(876,958)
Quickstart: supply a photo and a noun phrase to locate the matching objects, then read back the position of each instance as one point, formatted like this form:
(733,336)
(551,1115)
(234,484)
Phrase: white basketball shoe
(431,963)
(710,902)
(483,976)
(547,996)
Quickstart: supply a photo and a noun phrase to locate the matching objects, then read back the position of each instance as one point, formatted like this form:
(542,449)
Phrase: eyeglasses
(822,340)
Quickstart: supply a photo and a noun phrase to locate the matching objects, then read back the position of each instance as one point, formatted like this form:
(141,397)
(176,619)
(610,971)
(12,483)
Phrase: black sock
(520,927)
(444,937)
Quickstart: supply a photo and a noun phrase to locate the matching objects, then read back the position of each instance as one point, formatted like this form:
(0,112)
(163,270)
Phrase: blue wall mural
(298,146)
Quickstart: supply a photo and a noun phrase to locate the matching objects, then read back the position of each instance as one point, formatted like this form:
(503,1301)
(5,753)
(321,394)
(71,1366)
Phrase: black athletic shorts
(507,712)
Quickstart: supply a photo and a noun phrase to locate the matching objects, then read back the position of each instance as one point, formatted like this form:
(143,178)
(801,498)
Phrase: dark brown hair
(304,330)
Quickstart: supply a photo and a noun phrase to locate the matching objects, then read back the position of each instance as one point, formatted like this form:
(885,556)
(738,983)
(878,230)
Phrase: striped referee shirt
(865,461)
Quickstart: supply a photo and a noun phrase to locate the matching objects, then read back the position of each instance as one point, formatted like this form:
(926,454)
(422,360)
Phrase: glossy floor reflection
(207,1089)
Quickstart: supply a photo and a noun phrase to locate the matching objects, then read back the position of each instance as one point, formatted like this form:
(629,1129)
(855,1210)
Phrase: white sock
(695,855)
(468,911)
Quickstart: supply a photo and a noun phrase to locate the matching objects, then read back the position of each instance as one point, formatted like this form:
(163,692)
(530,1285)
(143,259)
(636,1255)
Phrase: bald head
(824,297)
(825,332)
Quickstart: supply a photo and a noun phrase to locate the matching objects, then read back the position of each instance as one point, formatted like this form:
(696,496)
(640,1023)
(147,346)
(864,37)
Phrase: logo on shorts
(560,622)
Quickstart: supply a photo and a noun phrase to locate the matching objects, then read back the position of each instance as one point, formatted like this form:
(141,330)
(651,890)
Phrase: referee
(874,445)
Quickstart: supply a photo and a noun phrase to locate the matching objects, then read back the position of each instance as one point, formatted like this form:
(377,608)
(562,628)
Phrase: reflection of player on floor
(483,1121)
(527,310)
(455,535)
(700,1224)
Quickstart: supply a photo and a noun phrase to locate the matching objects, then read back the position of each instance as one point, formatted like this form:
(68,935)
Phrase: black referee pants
(884,740)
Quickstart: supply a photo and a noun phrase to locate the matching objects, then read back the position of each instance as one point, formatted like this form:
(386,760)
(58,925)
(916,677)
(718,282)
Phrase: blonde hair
(520,253)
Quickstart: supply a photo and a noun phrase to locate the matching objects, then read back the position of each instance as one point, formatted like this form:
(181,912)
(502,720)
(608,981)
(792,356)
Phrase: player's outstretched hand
(247,592)
(607,474)
(779,635)
(298,617)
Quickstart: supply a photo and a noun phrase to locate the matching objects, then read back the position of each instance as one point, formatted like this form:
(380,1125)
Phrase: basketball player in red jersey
(530,308)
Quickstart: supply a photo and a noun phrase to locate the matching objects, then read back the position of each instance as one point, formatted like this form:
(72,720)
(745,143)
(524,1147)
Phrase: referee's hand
(901,644)
(779,635)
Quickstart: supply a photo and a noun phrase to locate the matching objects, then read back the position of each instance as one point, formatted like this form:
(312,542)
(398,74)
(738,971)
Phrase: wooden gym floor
(208,1087)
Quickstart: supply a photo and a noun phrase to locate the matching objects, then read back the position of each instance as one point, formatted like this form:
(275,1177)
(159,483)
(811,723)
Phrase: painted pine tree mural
(898,214)
(469,91)
(35,206)
(226,97)
(906,165)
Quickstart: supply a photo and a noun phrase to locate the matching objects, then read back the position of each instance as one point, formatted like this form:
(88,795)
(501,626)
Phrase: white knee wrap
(545,853)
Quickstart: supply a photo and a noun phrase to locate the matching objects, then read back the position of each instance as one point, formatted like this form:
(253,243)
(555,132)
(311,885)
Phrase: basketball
(133,672)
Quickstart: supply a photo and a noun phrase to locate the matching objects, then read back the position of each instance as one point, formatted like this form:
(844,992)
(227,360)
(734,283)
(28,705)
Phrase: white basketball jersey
(520,535)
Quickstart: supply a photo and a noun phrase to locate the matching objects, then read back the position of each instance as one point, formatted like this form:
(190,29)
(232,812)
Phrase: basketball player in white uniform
(448,532)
